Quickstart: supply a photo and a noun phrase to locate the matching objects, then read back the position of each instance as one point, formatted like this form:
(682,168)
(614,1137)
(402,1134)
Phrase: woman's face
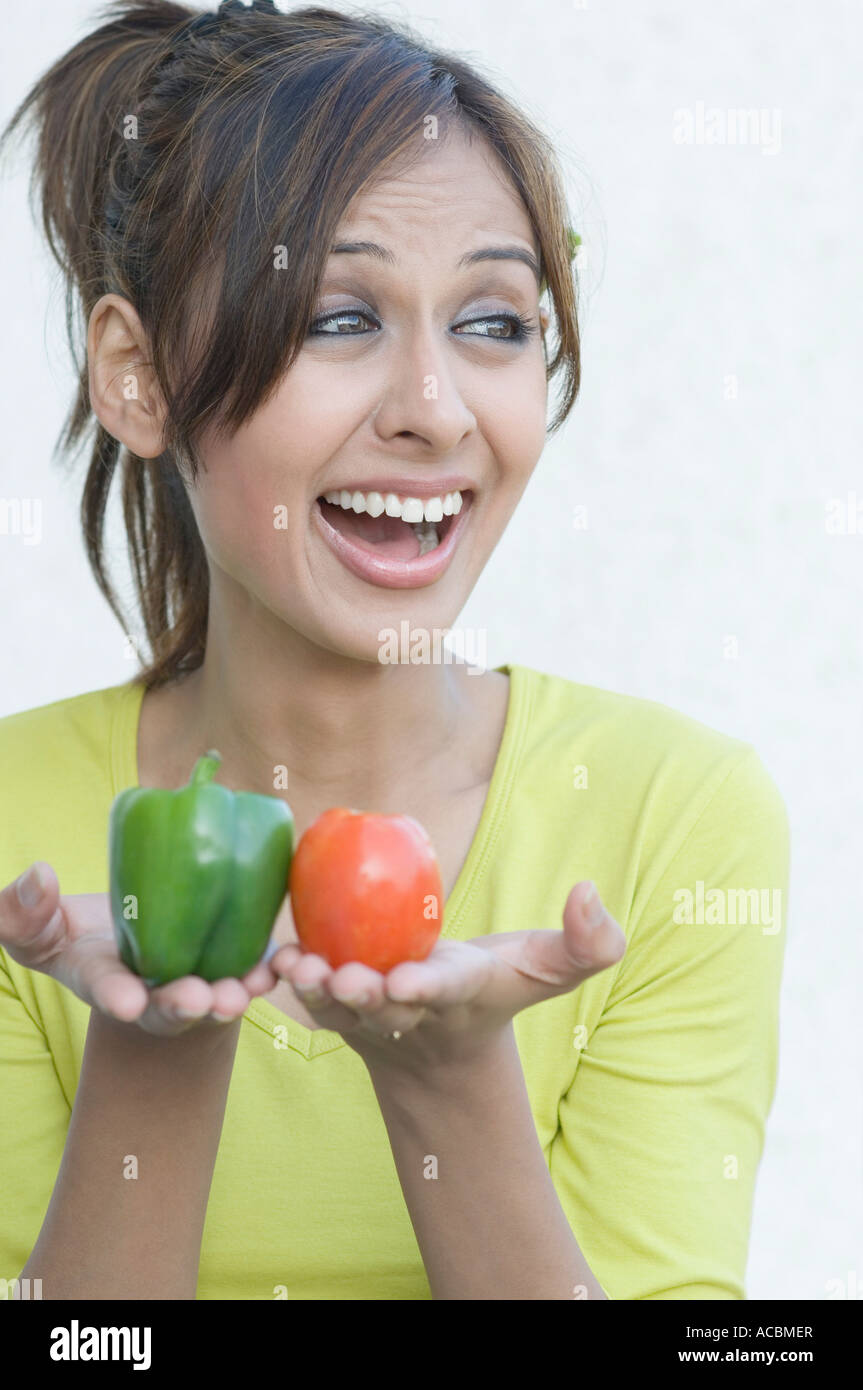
(413,383)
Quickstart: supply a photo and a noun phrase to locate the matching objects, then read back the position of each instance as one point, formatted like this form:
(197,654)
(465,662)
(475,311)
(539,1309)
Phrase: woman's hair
(178,150)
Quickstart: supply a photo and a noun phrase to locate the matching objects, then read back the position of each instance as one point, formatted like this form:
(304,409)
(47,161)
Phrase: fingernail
(30,887)
(222,1018)
(310,994)
(592,907)
(190,1013)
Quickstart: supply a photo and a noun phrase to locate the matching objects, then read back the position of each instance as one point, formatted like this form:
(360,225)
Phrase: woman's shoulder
(569,709)
(631,748)
(75,723)
(62,763)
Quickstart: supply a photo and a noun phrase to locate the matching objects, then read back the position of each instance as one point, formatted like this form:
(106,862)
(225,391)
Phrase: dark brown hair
(172,141)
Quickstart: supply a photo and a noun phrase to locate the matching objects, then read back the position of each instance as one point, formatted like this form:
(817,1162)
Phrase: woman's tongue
(388,535)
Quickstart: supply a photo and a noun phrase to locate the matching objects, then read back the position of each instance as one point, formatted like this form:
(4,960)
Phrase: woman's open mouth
(396,542)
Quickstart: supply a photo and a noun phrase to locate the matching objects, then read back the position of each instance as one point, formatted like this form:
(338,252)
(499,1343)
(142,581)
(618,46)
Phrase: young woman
(310,253)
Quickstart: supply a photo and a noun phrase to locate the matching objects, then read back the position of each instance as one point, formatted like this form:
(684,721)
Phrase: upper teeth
(411,509)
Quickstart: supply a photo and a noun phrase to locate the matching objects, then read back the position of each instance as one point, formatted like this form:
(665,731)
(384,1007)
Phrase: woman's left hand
(454,1005)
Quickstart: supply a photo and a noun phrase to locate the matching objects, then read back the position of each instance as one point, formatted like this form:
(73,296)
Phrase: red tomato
(366,887)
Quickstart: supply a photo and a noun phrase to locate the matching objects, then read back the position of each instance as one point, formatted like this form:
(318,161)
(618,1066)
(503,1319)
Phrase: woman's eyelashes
(521,327)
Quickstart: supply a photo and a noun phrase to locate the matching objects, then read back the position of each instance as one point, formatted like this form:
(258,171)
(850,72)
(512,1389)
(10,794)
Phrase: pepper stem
(205,768)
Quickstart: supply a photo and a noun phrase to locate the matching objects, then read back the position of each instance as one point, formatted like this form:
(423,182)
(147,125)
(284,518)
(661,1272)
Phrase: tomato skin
(366,887)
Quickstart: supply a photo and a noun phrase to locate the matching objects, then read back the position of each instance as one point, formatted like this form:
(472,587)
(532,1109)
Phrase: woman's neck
(381,737)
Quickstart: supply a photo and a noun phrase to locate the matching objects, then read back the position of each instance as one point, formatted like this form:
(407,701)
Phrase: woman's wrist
(129,1042)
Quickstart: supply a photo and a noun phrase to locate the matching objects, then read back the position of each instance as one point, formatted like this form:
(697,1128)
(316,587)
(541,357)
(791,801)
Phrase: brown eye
(521,328)
(342,316)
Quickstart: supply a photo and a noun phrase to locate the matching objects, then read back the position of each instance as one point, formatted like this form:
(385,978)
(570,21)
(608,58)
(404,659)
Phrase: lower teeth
(426,534)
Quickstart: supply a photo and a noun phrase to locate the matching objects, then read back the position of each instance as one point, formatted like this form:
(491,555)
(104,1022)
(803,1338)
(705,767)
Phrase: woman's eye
(515,328)
(338,314)
(519,327)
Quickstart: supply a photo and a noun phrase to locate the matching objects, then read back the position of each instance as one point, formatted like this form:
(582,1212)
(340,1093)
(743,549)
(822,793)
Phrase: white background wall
(718,418)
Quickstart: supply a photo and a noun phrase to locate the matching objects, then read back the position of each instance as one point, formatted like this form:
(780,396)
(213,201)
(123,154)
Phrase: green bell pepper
(197,876)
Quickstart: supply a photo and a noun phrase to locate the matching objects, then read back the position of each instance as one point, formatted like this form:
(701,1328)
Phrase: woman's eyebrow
(488,253)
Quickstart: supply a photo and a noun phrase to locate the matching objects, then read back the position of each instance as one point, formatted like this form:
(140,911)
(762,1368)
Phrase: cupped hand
(455,1004)
(72,939)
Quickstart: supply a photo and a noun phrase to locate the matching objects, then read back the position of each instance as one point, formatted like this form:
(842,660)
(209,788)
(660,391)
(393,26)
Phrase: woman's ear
(544,320)
(124,392)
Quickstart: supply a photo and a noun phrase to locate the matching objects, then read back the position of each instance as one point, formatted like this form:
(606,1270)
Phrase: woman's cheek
(515,423)
(246,525)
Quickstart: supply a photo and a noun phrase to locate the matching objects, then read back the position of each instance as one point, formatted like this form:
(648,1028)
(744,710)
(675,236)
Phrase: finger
(34,915)
(230,999)
(190,999)
(162,1022)
(39,928)
(190,1002)
(354,981)
(364,990)
(592,939)
(309,969)
(308,975)
(446,978)
(187,998)
(260,979)
(285,958)
(543,963)
(91,968)
(32,925)
(548,963)
(326,1011)
(170,1008)
(311,979)
(560,959)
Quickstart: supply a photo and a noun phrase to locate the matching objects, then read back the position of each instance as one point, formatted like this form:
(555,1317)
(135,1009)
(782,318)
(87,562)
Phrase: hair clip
(237,7)
(210,20)
(202,24)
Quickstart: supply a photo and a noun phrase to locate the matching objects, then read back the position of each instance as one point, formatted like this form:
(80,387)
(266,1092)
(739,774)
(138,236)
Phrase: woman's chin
(399,640)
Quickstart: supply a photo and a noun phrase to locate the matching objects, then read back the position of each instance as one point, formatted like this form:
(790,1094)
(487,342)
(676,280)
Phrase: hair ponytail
(83,109)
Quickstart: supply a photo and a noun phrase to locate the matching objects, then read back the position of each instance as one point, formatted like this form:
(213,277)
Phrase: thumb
(549,963)
(32,925)
(592,939)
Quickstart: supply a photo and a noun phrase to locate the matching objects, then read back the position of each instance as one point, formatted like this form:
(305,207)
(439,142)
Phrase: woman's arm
(476,1184)
(127,1213)
(438,1040)
(662,1129)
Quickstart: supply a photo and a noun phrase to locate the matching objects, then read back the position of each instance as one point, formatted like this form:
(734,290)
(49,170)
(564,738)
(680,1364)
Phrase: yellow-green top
(650,1085)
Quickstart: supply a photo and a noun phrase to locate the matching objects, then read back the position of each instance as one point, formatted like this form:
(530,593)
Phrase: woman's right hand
(72,940)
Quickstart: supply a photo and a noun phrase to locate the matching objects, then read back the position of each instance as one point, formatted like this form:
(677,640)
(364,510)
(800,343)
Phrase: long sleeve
(662,1129)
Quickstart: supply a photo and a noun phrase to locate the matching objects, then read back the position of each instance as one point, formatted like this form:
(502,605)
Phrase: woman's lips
(362,560)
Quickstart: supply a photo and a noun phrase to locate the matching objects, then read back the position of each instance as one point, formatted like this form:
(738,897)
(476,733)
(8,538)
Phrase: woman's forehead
(458,179)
